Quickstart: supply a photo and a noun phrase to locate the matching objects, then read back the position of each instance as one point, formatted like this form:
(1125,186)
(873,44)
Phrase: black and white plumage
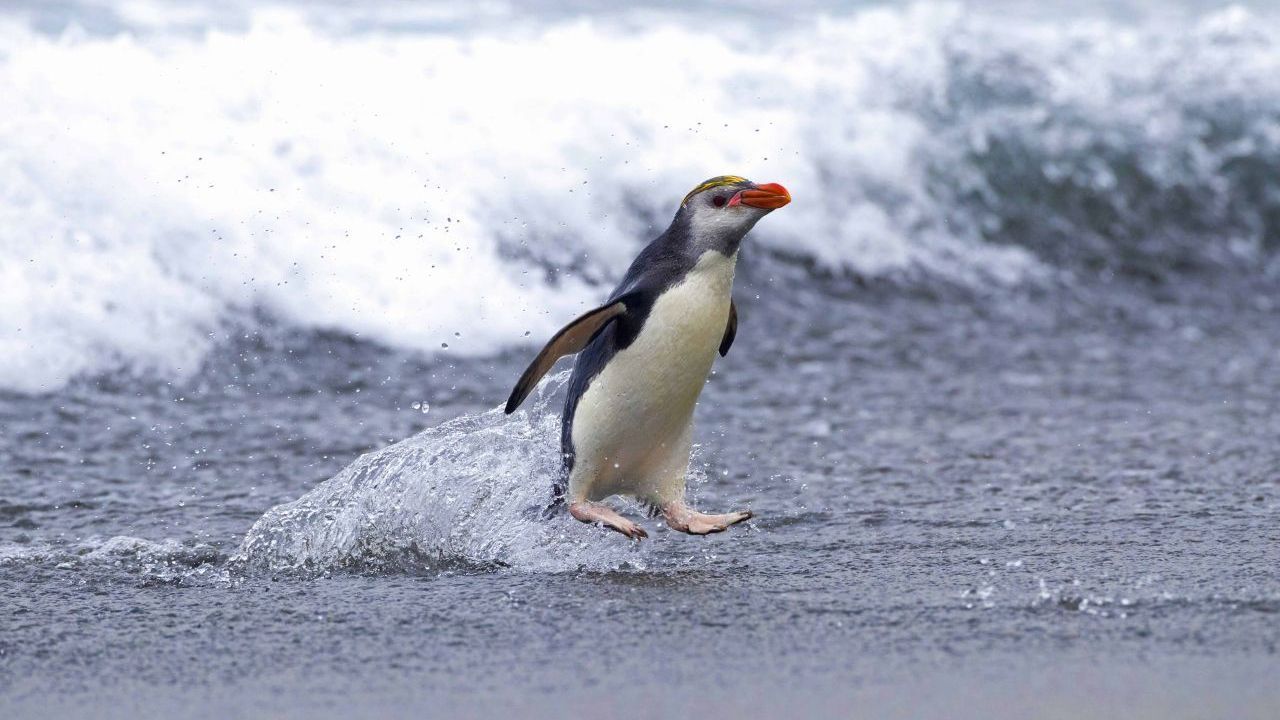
(644,356)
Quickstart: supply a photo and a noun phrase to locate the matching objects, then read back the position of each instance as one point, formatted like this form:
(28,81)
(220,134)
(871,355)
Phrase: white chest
(686,323)
(647,392)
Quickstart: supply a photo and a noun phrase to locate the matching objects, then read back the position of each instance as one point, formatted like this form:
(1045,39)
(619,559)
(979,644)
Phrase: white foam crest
(152,188)
(419,189)
(469,493)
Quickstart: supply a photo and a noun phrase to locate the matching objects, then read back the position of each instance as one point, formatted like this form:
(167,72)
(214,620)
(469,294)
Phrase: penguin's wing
(571,338)
(730,329)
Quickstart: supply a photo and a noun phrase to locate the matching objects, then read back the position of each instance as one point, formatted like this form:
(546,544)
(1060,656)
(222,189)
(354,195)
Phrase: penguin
(643,358)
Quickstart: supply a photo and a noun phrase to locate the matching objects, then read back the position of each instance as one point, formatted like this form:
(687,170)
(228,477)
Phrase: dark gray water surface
(1036,503)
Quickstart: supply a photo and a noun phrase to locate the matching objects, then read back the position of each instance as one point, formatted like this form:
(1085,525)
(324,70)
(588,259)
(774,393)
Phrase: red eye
(719,201)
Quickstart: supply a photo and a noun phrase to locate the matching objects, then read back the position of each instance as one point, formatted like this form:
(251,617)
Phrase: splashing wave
(466,494)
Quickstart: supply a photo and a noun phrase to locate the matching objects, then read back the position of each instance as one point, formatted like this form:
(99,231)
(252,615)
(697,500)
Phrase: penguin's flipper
(730,329)
(571,338)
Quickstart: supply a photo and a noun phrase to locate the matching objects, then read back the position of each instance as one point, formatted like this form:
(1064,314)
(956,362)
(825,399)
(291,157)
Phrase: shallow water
(1004,396)
(946,489)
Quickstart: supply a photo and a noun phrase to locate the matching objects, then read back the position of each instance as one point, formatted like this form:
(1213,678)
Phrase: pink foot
(687,520)
(595,513)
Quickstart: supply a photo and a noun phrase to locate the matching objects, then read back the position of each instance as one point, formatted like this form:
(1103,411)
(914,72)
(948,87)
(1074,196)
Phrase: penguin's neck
(694,234)
(715,269)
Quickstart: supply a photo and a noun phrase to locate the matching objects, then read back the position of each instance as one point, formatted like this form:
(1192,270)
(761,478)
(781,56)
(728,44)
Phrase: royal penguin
(643,358)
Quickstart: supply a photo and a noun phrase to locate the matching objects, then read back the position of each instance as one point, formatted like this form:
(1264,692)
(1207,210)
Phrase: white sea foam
(407,186)
(166,559)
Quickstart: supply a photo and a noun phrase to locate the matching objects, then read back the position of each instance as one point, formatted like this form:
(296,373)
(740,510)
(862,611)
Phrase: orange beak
(769,196)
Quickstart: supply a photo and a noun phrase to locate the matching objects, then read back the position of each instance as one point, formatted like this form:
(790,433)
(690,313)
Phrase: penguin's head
(717,213)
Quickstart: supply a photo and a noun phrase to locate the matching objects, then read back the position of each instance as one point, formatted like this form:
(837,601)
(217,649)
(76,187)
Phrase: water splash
(468,493)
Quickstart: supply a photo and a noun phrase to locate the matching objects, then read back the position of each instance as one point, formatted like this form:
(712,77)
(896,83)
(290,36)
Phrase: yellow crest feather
(713,182)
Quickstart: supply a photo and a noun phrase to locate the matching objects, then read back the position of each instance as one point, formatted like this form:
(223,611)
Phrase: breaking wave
(424,189)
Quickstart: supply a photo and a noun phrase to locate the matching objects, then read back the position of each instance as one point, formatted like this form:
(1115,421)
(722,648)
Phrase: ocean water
(1005,397)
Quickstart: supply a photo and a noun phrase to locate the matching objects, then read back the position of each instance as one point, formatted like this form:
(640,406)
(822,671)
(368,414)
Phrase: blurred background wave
(426,177)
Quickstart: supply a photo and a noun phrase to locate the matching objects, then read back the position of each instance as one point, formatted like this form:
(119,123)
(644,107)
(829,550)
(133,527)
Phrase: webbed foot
(596,513)
(687,520)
